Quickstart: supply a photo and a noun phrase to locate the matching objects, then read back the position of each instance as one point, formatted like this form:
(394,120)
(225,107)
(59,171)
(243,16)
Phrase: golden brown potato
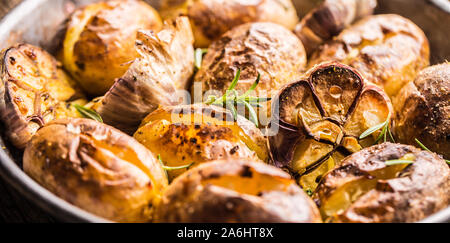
(265,48)
(33,91)
(163,69)
(199,133)
(422,110)
(210,19)
(329,18)
(388,50)
(367,189)
(97,168)
(99,43)
(320,118)
(235,191)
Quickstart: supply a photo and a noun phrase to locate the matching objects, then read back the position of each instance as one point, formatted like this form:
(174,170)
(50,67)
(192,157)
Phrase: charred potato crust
(97,168)
(235,191)
(33,91)
(210,19)
(366,190)
(199,133)
(99,43)
(422,110)
(320,119)
(388,50)
(264,48)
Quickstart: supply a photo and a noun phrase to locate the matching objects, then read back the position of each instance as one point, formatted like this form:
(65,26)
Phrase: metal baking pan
(38,22)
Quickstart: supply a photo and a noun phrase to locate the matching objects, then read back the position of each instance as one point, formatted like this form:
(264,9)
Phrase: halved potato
(164,67)
(212,18)
(329,18)
(235,191)
(33,91)
(365,189)
(265,48)
(97,168)
(319,120)
(388,50)
(422,110)
(99,42)
(199,133)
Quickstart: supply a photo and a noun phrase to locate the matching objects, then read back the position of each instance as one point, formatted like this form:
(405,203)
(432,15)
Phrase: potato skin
(210,19)
(208,134)
(265,48)
(387,49)
(417,191)
(101,37)
(194,197)
(33,91)
(422,110)
(97,168)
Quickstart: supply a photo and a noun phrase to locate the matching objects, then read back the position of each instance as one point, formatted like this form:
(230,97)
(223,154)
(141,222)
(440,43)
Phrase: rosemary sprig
(198,57)
(169,168)
(398,162)
(231,99)
(427,149)
(88,113)
(385,131)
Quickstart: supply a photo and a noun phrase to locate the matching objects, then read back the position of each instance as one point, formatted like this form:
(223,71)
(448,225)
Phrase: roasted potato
(319,120)
(422,110)
(210,19)
(99,42)
(164,67)
(33,91)
(97,168)
(388,50)
(365,188)
(265,48)
(235,191)
(199,133)
(329,19)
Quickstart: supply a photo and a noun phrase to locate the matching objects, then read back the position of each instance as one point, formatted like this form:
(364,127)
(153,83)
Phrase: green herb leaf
(169,168)
(252,113)
(231,97)
(235,80)
(253,87)
(425,148)
(88,113)
(309,192)
(373,129)
(198,57)
(398,162)
(422,145)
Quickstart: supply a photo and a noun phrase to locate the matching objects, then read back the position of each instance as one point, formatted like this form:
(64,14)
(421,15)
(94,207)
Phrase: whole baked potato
(255,48)
(194,134)
(388,50)
(329,18)
(422,110)
(97,168)
(371,187)
(99,43)
(210,19)
(159,77)
(33,91)
(319,120)
(234,191)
